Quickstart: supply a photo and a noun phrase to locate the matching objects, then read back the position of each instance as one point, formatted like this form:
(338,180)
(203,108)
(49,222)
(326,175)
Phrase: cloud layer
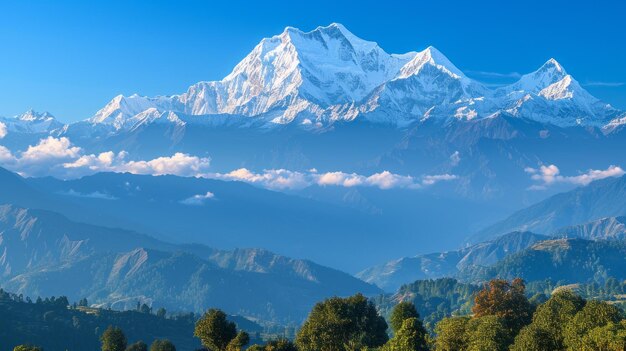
(549,175)
(60,158)
(286,179)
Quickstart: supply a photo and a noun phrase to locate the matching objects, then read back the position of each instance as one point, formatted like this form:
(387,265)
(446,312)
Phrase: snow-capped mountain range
(330,101)
(32,122)
(316,78)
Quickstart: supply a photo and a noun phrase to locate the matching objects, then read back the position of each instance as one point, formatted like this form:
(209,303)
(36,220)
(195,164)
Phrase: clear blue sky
(71,57)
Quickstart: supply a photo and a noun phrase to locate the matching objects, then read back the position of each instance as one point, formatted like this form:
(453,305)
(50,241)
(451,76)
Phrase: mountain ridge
(45,253)
(327,75)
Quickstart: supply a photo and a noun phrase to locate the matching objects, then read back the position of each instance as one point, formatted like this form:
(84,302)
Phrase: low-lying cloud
(92,195)
(198,200)
(3,130)
(286,179)
(547,175)
(60,158)
(50,148)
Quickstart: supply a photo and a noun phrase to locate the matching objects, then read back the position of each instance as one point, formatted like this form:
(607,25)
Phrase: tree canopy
(162,345)
(411,336)
(505,300)
(113,339)
(138,346)
(339,324)
(595,314)
(216,332)
(401,312)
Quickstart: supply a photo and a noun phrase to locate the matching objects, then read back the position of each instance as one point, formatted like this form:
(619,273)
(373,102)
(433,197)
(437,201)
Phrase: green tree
(411,336)
(27,348)
(215,331)
(400,313)
(594,314)
(238,342)
(138,346)
(533,338)
(339,324)
(611,337)
(162,345)
(553,315)
(113,339)
(451,334)
(487,333)
(281,344)
(506,301)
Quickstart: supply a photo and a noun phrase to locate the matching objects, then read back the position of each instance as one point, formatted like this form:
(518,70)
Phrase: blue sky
(72,57)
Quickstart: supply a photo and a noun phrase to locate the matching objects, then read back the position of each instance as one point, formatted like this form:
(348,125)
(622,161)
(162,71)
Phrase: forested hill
(57,325)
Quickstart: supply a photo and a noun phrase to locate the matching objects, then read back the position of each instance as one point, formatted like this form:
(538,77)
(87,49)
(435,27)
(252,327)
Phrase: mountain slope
(288,74)
(297,225)
(564,260)
(32,122)
(603,198)
(553,96)
(45,254)
(394,274)
(609,228)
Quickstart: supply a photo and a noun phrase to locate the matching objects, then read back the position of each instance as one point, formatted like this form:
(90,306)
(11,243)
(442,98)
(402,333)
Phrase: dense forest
(442,315)
(58,325)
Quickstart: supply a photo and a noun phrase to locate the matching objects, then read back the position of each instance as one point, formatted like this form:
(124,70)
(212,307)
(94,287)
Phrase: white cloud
(6,157)
(58,157)
(93,195)
(432,179)
(285,179)
(591,175)
(271,178)
(44,158)
(198,200)
(50,148)
(102,162)
(179,164)
(340,179)
(388,180)
(551,174)
(3,130)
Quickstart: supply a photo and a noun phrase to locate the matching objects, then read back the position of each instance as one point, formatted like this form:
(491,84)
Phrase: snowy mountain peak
(324,67)
(329,74)
(32,122)
(121,109)
(31,116)
(335,31)
(548,74)
(430,56)
(553,64)
(563,89)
